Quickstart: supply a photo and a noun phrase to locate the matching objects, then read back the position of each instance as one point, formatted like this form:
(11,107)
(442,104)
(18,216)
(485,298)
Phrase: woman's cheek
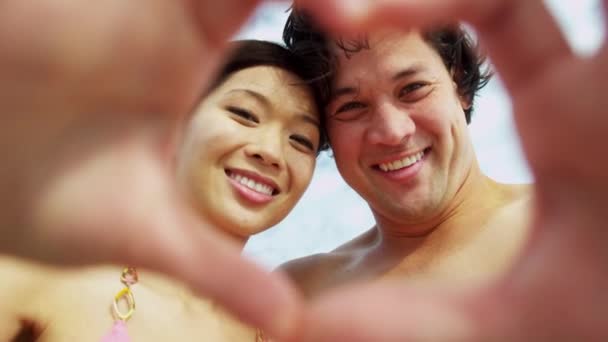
(303,169)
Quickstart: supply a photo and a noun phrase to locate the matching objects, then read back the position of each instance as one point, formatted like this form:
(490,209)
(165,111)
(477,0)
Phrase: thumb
(394,312)
(178,242)
(351,17)
(219,20)
(212,266)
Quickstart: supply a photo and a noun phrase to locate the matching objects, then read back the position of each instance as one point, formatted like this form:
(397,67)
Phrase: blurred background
(330,213)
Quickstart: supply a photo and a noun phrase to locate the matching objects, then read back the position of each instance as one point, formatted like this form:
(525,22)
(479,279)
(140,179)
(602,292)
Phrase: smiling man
(397,109)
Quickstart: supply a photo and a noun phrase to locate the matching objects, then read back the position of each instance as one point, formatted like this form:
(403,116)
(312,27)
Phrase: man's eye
(303,141)
(243,113)
(413,91)
(349,106)
(349,111)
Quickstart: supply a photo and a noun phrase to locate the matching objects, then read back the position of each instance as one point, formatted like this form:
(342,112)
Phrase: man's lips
(401,162)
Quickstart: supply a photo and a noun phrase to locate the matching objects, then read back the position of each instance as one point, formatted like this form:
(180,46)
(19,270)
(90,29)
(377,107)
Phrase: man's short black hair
(457,49)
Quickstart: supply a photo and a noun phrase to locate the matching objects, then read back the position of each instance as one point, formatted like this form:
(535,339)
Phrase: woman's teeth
(253,185)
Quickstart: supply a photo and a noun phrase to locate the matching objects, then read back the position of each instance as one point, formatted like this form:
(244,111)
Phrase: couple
(395,106)
(396,109)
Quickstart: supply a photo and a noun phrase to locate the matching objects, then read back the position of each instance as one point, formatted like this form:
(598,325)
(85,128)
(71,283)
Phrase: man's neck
(472,202)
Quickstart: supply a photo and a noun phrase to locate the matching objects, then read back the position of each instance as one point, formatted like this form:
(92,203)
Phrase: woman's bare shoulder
(40,299)
(22,281)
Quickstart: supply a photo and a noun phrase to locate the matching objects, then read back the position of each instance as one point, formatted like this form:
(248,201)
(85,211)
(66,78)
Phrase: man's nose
(391,124)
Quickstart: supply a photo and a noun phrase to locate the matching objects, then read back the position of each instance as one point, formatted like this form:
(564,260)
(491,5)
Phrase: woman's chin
(243,227)
(240,222)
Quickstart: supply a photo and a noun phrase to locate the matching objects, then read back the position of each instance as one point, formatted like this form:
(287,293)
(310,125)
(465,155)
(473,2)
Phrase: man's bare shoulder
(518,201)
(516,198)
(309,273)
(314,273)
(516,192)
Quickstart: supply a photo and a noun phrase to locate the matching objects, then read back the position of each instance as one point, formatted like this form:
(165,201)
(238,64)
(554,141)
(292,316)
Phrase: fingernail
(355,10)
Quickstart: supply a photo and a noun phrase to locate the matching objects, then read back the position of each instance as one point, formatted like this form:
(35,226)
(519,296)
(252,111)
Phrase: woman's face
(249,151)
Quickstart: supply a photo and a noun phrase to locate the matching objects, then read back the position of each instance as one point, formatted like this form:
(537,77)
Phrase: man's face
(397,127)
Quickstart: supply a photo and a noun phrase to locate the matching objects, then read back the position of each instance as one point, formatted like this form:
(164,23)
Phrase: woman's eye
(243,113)
(303,141)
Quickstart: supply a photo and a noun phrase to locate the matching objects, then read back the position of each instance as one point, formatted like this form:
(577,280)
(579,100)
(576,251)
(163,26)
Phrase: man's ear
(464,102)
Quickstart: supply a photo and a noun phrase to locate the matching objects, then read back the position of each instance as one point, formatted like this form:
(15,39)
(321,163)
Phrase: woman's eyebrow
(259,97)
(309,119)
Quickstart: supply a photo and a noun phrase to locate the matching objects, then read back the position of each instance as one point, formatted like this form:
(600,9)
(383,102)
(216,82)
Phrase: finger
(604,5)
(121,205)
(392,312)
(346,16)
(521,23)
(165,57)
(520,27)
(179,242)
(218,20)
(505,26)
(194,253)
(97,178)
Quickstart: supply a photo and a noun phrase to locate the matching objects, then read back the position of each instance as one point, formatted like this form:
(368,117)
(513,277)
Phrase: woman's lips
(252,187)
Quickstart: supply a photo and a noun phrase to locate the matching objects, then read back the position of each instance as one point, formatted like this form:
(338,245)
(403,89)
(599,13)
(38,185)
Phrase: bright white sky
(331,213)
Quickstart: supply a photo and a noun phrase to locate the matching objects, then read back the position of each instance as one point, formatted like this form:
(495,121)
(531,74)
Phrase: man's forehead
(384,53)
(379,45)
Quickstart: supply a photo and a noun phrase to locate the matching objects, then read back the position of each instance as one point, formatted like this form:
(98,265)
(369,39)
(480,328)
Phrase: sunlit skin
(260,122)
(399,136)
(88,99)
(393,101)
(559,106)
(251,123)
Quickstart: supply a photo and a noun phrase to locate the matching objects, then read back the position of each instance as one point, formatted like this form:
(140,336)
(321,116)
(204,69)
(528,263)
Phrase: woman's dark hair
(250,53)
(457,49)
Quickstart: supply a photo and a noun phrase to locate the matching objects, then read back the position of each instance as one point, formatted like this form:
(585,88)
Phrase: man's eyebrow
(412,70)
(407,72)
(259,97)
(343,92)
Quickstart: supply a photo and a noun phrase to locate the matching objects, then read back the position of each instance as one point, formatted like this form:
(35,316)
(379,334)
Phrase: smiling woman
(244,156)
(249,150)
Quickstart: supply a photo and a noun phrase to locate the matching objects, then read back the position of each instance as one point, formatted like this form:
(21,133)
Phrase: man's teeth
(253,185)
(402,163)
